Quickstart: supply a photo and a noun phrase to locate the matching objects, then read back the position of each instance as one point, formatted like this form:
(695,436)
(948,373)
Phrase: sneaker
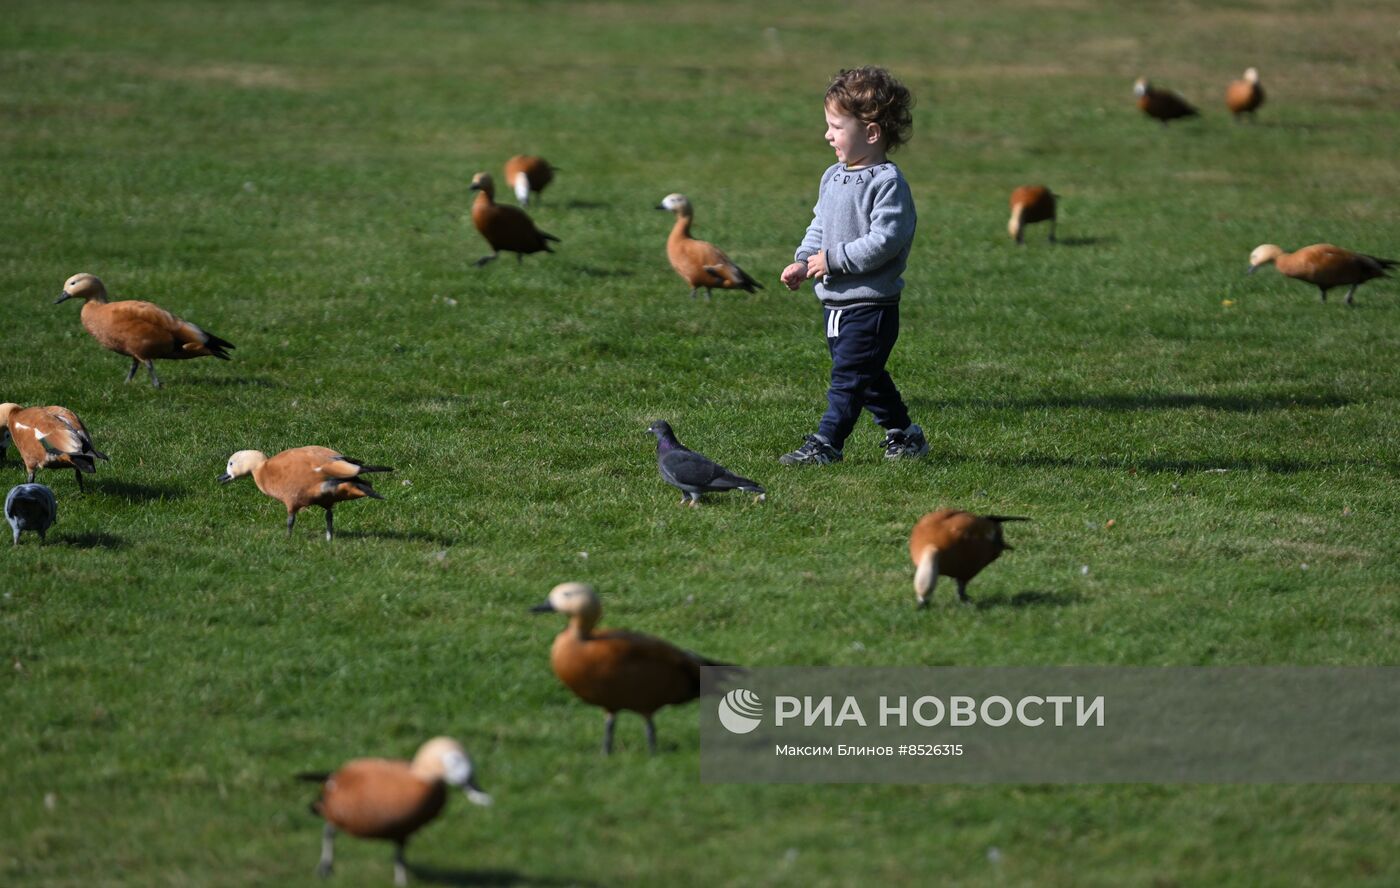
(909,443)
(813,452)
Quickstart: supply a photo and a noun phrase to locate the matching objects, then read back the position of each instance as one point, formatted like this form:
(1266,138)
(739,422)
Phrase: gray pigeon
(30,507)
(691,473)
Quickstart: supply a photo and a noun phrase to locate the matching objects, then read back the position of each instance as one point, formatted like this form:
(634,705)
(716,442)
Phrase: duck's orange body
(143,331)
(1244,96)
(504,227)
(527,174)
(375,798)
(954,543)
(1324,266)
(305,476)
(617,670)
(1031,204)
(1161,104)
(49,438)
(700,263)
(379,799)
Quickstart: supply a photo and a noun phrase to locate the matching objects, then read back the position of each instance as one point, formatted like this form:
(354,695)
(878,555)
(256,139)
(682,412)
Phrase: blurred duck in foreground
(375,798)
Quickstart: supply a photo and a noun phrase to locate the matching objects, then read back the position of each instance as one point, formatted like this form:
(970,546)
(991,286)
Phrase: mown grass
(293,177)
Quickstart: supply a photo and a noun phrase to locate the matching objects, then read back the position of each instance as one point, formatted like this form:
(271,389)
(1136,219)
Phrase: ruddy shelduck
(1031,204)
(526,173)
(699,263)
(143,331)
(1244,96)
(305,476)
(1322,265)
(50,438)
(957,544)
(1161,104)
(504,227)
(375,798)
(619,670)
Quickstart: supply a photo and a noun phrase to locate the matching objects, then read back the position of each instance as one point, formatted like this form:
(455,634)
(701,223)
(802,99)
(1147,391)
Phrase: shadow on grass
(233,382)
(590,271)
(432,875)
(1123,402)
(1086,241)
(93,539)
(1181,466)
(584,205)
(133,492)
(412,536)
(1029,598)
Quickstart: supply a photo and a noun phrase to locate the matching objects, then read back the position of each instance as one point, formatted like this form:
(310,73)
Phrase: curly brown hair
(872,95)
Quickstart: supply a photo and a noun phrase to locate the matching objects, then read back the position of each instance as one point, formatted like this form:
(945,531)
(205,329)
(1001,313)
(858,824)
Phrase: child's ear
(873,133)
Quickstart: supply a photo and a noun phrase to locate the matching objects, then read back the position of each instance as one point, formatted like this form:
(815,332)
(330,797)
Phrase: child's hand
(794,275)
(816,264)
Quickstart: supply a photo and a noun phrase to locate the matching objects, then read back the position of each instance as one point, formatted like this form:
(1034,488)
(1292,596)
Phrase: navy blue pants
(860,341)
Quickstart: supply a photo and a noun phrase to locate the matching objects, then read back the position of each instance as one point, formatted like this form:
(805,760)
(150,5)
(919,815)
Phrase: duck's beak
(543,608)
(62,297)
(659,207)
(1251,269)
(225,478)
(475,186)
(476,795)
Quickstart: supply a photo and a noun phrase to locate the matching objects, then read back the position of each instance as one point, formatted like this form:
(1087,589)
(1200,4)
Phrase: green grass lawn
(293,176)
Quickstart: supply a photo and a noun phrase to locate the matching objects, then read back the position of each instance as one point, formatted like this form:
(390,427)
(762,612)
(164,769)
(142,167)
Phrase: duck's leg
(1052,231)
(155,380)
(79,475)
(608,732)
(1351,293)
(962,592)
(291,520)
(1321,294)
(330,528)
(131,374)
(480,263)
(694,291)
(400,868)
(651,736)
(31,474)
(323,869)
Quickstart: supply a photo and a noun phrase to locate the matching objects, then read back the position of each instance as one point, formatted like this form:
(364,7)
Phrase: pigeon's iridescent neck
(666,442)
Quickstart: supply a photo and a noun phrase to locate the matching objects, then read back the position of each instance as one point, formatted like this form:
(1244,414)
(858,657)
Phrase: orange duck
(1160,104)
(701,264)
(140,330)
(305,476)
(956,544)
(526,173)
(1031,204)
(1244,96)
(375,798)
(1322,265)
(616,669)
(505,228)
(49,438)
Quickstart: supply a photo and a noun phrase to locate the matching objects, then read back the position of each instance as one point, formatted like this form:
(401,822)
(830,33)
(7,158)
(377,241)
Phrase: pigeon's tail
(743,483)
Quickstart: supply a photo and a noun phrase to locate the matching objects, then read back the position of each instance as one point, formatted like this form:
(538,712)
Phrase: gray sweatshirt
(864,220)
